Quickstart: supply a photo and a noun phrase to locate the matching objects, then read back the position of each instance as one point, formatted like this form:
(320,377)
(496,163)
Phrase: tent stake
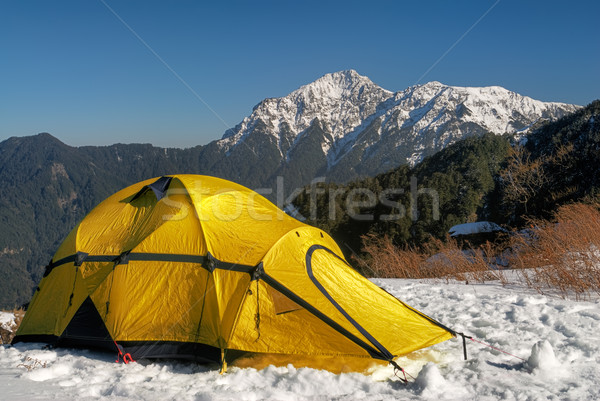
(223,363)
(464,338)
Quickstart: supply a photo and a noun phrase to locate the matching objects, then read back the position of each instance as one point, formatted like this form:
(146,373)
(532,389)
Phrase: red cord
(126,357)
(497,349)
(401,369)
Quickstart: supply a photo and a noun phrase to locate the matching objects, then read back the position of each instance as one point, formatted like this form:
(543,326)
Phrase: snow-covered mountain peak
(493,108)
(361,123)
(337,85)
(342,99)
(432,85)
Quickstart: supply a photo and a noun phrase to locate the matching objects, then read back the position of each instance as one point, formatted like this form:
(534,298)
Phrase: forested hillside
(47,187)
(558,164)
(491,177)
(411,204)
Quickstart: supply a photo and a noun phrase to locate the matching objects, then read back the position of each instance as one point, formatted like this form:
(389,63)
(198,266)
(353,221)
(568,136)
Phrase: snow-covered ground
(559,338)
(7,320)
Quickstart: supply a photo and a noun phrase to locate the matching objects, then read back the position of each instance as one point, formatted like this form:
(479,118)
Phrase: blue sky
(74,69)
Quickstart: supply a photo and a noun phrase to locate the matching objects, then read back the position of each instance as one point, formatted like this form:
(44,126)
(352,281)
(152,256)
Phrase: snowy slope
(358,120)
(433,116)
(343,100)
(559,338)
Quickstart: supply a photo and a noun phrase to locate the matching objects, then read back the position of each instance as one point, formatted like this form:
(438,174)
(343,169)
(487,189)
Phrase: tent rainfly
(191,266)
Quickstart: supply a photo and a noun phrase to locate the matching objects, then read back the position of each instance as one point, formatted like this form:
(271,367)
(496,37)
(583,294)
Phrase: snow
(414,158)
(558,338)
(474,228)
(347,104)
(431,384)
(7,320)
(343,99)
(542,357)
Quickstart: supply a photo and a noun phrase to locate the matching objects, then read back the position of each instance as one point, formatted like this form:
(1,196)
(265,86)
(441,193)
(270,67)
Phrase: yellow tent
(192,266)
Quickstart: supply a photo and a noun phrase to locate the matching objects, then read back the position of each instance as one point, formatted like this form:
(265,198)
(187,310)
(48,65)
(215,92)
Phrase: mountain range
(340,127)
(343,126)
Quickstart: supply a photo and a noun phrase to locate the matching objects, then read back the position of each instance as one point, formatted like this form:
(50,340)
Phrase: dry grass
(438,259)
(6,335)
(389,261)
(450,261)
(32,363)
(560,257)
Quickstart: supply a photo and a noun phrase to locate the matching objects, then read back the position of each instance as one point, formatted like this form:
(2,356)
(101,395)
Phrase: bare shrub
(562,255)
(389,261)
(521,178)
(449,260)
(436,260)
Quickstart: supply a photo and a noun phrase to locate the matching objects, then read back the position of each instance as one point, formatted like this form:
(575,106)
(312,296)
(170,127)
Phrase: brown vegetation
(563,254)
(435,260)
(522,178)
(6,335)
(560,257)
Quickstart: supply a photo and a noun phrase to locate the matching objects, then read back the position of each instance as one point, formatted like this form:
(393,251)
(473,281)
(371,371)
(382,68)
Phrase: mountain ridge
(355,115)
(343,126)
